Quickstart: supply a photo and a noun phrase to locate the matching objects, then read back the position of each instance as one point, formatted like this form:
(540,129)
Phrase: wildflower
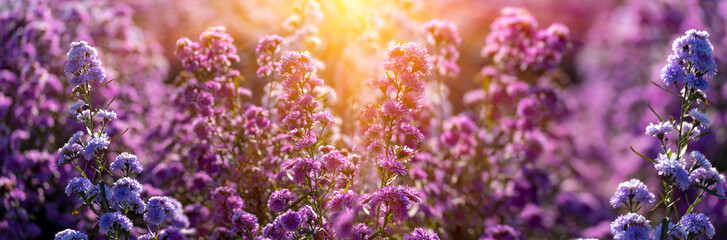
(96,191)
(631,226)
(73,109)
(673,73)
(226,202)
(632,190)
(280,199)
(700,160)
(111,220)
(302,167)
(244,222)
(707,177)
(695,48)
(396,198)
(289,220)
(407,58)
(674,170)
(342,200)
(126,190)
(81,57)
(158,209)
(276,232)
(333,160)
(700,118)
(421,234)
(697,223)
(269,43)
(95,144)
(69,234)
(361,231)
(659,129)
(126,162)
(392,165)
(411,130)
(78,185)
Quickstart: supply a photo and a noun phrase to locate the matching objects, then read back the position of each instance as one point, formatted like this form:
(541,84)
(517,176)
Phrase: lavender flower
(700,118)
(96,144)
(126,162)
(632,191)
(660,128)
(244,222)
(700,160)
(280,199)
(302,167)
(392,165)
(289,220)
(695,224)
(396,198)
(226,202)
(78,185)
(69,234)
(109,221)
(631,226)
(673,169)
(421,234)
(360,231)
(407,58)
(275,232)
(158,209)
(708,177)
(126,190)
(695,48)
(342,200)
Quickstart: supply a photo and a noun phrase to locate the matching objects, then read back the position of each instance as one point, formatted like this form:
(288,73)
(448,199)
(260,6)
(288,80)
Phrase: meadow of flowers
(363,119)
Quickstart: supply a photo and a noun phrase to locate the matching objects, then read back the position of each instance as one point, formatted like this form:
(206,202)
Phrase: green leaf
(713,193)
(691,207)
(642,156)
(322,96)
(657,205)
(662,88)
(657,115)
(117,136)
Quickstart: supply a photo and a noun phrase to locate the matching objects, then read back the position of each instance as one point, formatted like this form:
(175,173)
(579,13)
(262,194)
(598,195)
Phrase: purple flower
(631,226)
(126,190)
(411,130)
(673,73)
(81,57)
(289,220)
(360,231)
(674,170)
(78,185)
(700,117)
(126,162)
(95,144)
(111,220)
(69,234)
(333,160)
(244,222)
(280,199)
(170,233)
(695,224)
(269,43)
(96,190)
(158,209)
(407,58)
(392,165)
(421,234)
(660,128)
(700,160)
(708,177)
(395,198)
(302,167)
(342,200)
(696,48)
(632,190)
(225,202)
(275,232)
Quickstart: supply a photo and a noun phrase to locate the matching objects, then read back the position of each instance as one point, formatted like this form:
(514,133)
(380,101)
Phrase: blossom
(170,233)
(111,220)
(697,223)
(695,48)
(341,200)
(659,128)
(96,191)
(302,167)
(632,190)
(700,118)
(226,202)
(244,222)
(280,199)
(409,57)
(69,234)
(395,198)
(392,165)
(708,177)
(631,226)
(421,234)
(411,130)
(700,160)
(126,190)
(269,43)
(158,209)
(361,231)
(78,105)
(126,162)
(81,57)
(275,232)
(289,220)
(78,185)
(333,160)
(95,144)
(673,169)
